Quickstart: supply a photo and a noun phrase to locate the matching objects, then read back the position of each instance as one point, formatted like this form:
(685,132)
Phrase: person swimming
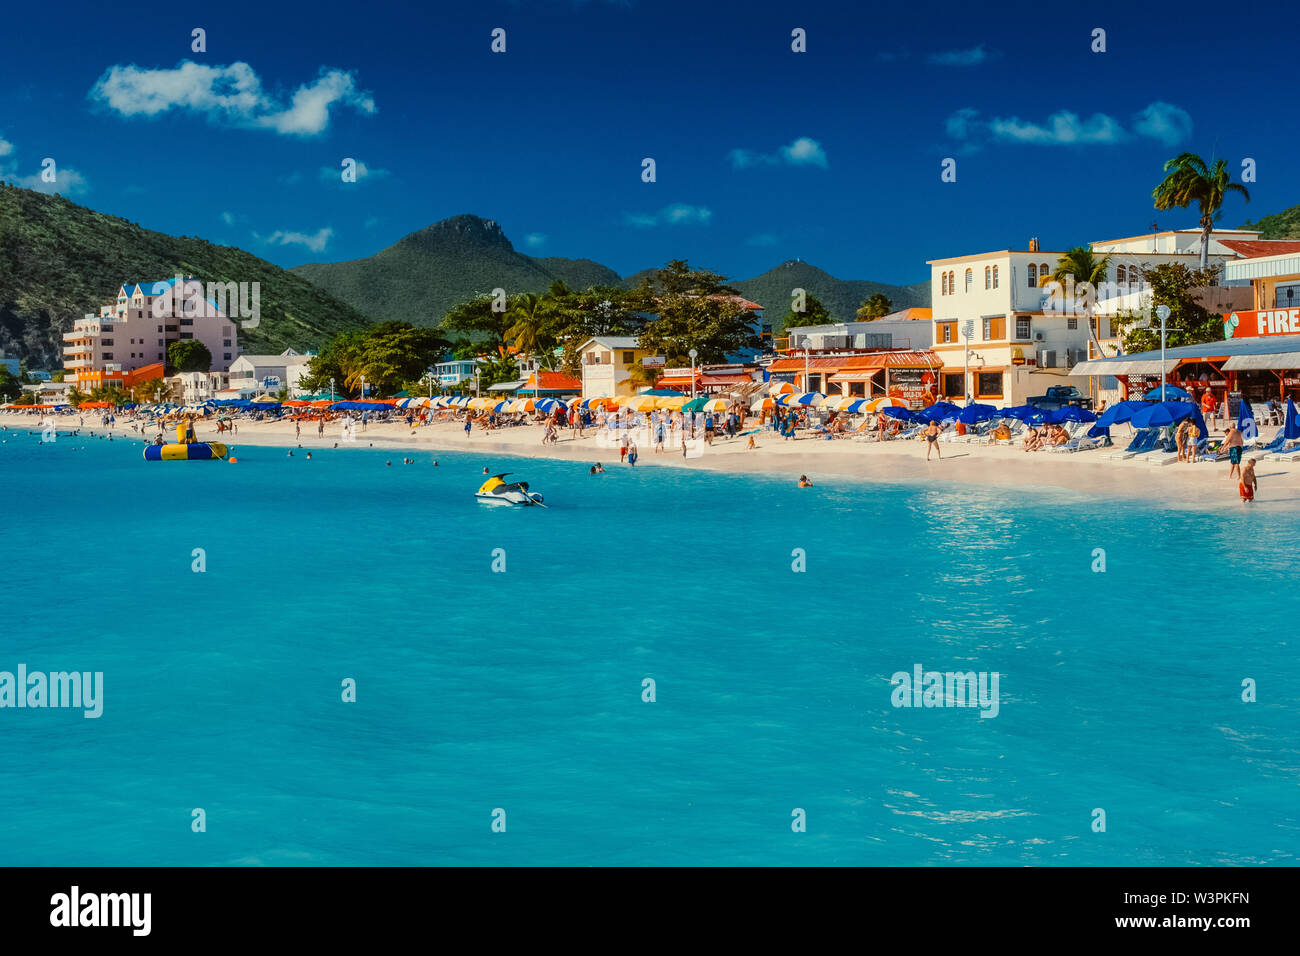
(804,482)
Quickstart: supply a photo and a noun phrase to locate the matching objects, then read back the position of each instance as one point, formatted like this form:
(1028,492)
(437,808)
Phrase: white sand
(1200,486)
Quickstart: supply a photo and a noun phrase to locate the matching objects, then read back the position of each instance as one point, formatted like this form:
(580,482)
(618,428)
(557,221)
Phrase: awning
(1279,360)
(1121,367)
(505,386)
(857,375)
(726,378)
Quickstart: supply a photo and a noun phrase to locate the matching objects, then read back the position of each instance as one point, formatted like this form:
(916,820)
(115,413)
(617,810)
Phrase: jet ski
(496,490)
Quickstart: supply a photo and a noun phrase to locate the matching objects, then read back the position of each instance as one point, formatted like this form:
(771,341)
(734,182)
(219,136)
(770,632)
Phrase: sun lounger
(1143,442)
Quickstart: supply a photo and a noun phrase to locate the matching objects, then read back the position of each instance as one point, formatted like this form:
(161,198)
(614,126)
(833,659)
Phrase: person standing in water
(1248,483)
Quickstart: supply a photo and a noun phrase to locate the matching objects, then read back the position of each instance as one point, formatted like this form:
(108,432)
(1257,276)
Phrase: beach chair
(1285,454)
(1143,442)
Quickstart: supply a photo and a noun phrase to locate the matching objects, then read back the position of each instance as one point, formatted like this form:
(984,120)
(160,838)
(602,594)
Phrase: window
(943,283)
(1071,323)
(945,331)
(105,341)
(161,343)
(1120,276)
(1033,276)
(988,278)
(187,321)
(994,329)
(954,385)
(1043,272)
(970,279)
(106,355)
(995,277)
(1022,328)
(988,385)
(226,330)
(226,342)
(106,328)
(628,358)
(187,335)
(226,356)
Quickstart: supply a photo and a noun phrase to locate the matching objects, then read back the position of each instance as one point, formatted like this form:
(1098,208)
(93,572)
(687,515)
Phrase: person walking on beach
(1193,438)
(1180,439)
(1232,440)
(622,449)
(1248,483)
(631,453)
(320,427)
(297,429)
(932,440)
(469,423)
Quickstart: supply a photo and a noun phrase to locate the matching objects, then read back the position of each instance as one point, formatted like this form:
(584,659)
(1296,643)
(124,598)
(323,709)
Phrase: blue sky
(762,154)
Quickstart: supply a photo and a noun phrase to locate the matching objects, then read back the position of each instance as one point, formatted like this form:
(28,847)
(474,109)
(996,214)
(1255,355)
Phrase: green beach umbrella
(695,404)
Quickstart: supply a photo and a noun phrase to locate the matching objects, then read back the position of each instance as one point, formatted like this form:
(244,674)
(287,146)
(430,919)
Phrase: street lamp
(331,391)
(363,388)
(1162,313)
(967,333)
(692,353)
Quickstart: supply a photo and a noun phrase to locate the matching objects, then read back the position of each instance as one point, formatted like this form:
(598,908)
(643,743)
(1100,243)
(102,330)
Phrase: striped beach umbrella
(884,401)
(802,398)
(639,403)
(780,388)
(551,404)
(715,405)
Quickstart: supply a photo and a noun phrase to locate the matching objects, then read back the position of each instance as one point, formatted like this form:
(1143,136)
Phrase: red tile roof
(552,382)
(1256,248)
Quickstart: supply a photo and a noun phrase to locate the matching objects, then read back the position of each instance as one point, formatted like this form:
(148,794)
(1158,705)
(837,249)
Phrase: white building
(270,373)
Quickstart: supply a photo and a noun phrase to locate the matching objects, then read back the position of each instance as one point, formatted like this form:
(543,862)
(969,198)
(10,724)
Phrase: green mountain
(1280,225)
(420,277)
(60,261)
(774,291)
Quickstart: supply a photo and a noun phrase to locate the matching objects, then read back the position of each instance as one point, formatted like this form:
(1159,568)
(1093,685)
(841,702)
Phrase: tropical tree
(1189,179)
(874,306)
(1078,266)
(153,390)
(640,376)
(531,331)
(478,318)
(1189,322)
(10,386)
(814,313)
(693,309)
(189,355)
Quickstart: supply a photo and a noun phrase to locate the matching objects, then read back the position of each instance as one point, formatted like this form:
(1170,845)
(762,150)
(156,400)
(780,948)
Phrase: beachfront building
(47,393)
(1258,358)
(194,388)
(905,329)
(605,361)
(270,373)
(997,327)
(134,331)
(455,373)
(907,374)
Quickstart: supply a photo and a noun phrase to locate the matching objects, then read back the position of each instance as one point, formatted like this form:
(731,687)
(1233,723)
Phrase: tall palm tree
(531,314)
(1189,179)
(1081,265)
(640,376)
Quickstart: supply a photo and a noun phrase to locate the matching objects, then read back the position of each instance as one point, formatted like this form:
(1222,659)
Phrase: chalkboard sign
(1234,404)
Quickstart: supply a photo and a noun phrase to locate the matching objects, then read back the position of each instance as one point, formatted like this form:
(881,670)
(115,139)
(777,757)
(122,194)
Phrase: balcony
(76,363)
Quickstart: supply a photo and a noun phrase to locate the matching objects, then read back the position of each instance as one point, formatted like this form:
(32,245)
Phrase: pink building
(135,331)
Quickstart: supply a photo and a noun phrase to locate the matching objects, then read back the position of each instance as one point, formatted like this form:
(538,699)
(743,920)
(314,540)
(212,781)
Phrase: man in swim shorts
(1234,443)
(1248,482)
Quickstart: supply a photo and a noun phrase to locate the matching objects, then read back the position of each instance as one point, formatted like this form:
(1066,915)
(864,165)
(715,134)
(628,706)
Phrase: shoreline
(1199,487)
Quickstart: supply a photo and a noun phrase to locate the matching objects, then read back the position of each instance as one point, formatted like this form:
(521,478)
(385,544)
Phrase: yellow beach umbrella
(885,401)
(671,402)
(639,403)
(715,405)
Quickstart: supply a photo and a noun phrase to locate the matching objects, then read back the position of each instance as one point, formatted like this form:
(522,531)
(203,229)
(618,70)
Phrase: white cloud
(315,242)
(68,181)
(232,95)
(1162,122)
(1165,122)
(335,174)
(972,57)
(6,147)
(535,240)
(804,151)
(678,214)
(228,218)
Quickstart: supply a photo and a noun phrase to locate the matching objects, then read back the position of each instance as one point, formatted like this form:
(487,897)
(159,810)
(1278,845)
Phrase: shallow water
(522,690)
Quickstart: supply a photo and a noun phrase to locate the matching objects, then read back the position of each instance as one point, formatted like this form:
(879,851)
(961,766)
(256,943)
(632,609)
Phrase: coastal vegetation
(1190,179)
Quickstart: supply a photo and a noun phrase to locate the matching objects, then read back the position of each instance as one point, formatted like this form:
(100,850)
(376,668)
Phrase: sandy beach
(1192,485)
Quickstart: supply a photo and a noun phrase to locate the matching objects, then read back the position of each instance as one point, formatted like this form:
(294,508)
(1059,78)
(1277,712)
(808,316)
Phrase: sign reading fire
(1263,322)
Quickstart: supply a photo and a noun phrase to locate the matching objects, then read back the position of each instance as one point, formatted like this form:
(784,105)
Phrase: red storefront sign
(1237,325)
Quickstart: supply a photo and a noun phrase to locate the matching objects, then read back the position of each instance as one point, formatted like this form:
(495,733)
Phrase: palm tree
(1081,265)
(1188,179)
(641,376)
(531,313)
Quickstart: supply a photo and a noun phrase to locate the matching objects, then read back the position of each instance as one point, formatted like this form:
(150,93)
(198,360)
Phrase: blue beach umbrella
(1246,421)
(1024,413)
(548,404)
(1291,425)
(902,414)
(1161,414)
(974,414)
(1172,393)
(1069,413)
(1119,413)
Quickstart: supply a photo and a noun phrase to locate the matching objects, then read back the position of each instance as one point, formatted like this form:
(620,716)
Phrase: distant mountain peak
(462,229)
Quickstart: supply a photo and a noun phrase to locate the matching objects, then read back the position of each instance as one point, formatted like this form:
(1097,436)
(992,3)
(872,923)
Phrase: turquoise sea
(522,690)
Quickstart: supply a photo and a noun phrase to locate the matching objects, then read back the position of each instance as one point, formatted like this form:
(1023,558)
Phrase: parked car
(1058,396)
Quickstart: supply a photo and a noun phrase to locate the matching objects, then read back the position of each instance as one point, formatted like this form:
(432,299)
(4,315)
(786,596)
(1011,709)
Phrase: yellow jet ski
(497,491)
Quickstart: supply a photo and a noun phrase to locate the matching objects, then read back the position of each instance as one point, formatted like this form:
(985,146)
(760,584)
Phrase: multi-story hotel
(130,336)
(1018,329)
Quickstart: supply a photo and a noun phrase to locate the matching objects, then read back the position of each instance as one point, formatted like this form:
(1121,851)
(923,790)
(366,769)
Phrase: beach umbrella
(1119,413)
(1172,393)
(1291,424)
(973,414)
(501,406)
(884,401)
(1161,414)
(671,402)
(695,404)
(902,414)
(780,388)
(939,412)
(1070,413)
(763,404)
(665,393)
(859,406)
(801,398)
(1246,421)
(551,404)
(1024,413)
(639,403)
(715,405)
